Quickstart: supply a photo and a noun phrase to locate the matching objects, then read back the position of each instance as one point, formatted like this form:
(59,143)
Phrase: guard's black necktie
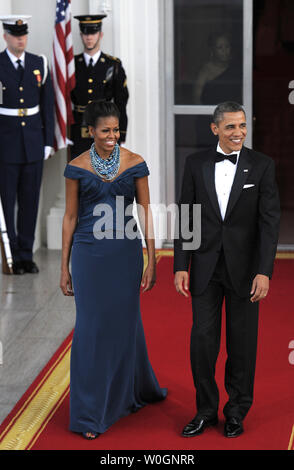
(90,66)
(221,156)
(20,69)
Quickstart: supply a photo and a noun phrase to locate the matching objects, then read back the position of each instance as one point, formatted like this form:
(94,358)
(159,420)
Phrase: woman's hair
(213,38)
(100,109)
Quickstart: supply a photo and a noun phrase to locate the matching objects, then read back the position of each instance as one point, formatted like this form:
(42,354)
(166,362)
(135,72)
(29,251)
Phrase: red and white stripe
(63,76)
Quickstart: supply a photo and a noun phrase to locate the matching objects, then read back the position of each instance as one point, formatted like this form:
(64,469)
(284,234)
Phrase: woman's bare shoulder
(82,161)
(130,157)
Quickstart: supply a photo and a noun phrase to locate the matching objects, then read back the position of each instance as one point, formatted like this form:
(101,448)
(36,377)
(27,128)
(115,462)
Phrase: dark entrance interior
(273,70)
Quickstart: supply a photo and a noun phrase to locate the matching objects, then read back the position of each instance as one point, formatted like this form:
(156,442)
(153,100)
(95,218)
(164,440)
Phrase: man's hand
(260,287)
(181,282)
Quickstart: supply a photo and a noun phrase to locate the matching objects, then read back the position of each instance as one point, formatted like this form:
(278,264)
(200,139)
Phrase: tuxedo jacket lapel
(244,163)
(209,180)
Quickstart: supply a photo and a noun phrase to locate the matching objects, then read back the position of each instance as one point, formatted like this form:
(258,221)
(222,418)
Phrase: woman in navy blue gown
(111,375)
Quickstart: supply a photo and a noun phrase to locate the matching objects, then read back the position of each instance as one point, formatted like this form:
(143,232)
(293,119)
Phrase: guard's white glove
(47,152)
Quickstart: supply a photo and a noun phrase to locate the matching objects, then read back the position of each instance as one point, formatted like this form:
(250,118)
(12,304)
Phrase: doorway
(208,59)
(273,58)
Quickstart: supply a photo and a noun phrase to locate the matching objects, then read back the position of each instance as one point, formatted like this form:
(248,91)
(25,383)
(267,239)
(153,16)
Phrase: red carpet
(167,322)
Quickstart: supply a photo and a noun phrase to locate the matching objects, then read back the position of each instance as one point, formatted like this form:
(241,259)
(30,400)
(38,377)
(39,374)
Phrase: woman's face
(106,133)
(222,49)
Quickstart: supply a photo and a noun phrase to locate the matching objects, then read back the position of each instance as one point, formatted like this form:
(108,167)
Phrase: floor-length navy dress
(111,375)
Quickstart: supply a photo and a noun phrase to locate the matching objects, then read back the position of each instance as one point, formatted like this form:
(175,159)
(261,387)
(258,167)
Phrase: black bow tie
(220,157)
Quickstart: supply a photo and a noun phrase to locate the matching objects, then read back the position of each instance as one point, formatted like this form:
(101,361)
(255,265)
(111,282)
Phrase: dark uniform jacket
(23,137)
(248,235)
(106,80)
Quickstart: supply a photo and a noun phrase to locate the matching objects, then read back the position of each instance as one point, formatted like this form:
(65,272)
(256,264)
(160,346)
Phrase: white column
(5,9)
(131,32)
(136,43)
(55,216)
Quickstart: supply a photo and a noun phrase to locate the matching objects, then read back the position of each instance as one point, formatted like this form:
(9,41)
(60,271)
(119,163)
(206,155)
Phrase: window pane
(208,51)
(192,135)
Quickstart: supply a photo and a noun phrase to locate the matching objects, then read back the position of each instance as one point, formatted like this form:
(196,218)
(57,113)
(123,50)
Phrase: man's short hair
(226,107)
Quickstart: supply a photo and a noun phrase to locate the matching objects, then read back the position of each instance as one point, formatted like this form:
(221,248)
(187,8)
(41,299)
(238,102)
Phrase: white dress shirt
(95,58)
(14,59)
(224,177)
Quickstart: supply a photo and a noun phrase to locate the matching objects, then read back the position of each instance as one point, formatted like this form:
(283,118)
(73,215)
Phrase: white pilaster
(131,32)
(136,43)
(55,216)
(5,9)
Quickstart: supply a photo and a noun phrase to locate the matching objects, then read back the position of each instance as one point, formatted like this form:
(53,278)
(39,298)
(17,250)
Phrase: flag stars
(62,6)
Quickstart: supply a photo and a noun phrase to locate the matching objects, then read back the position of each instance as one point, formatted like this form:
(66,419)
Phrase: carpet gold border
(34,391)
(44,424)
(38,407)
(31,419)
(290,446)
(285,255)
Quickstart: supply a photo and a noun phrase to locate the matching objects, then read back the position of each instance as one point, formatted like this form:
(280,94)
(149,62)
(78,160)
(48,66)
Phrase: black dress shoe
(198,425)
(233,427)
(30,267)
(18,267)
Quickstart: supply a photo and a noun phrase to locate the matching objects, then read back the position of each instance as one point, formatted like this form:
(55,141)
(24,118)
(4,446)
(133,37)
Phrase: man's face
(16,44)
(92,41)
(231,131)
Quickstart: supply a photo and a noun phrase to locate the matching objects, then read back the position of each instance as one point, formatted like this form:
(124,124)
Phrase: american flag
(63,71)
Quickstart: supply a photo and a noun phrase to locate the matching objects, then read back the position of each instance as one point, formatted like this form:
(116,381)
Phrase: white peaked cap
(14,19)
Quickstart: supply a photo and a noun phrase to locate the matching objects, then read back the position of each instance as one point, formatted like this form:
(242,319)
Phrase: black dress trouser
(20,184)
(241,344)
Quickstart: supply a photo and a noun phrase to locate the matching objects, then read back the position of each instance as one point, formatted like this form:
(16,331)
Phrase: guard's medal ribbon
(38,75)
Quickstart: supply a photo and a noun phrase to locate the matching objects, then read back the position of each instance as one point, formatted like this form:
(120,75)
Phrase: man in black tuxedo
(240,214)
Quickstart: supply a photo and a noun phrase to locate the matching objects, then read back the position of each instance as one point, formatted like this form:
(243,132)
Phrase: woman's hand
(149,277)
(66,283)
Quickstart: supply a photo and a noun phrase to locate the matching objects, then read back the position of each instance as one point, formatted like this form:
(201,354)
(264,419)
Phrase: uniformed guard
(26,136)
(98,76)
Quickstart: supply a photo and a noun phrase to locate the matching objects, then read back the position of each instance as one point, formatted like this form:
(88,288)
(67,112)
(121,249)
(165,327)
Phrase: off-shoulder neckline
(100,179)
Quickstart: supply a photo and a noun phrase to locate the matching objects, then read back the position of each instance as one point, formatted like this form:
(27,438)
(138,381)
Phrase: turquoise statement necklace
(106,168)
